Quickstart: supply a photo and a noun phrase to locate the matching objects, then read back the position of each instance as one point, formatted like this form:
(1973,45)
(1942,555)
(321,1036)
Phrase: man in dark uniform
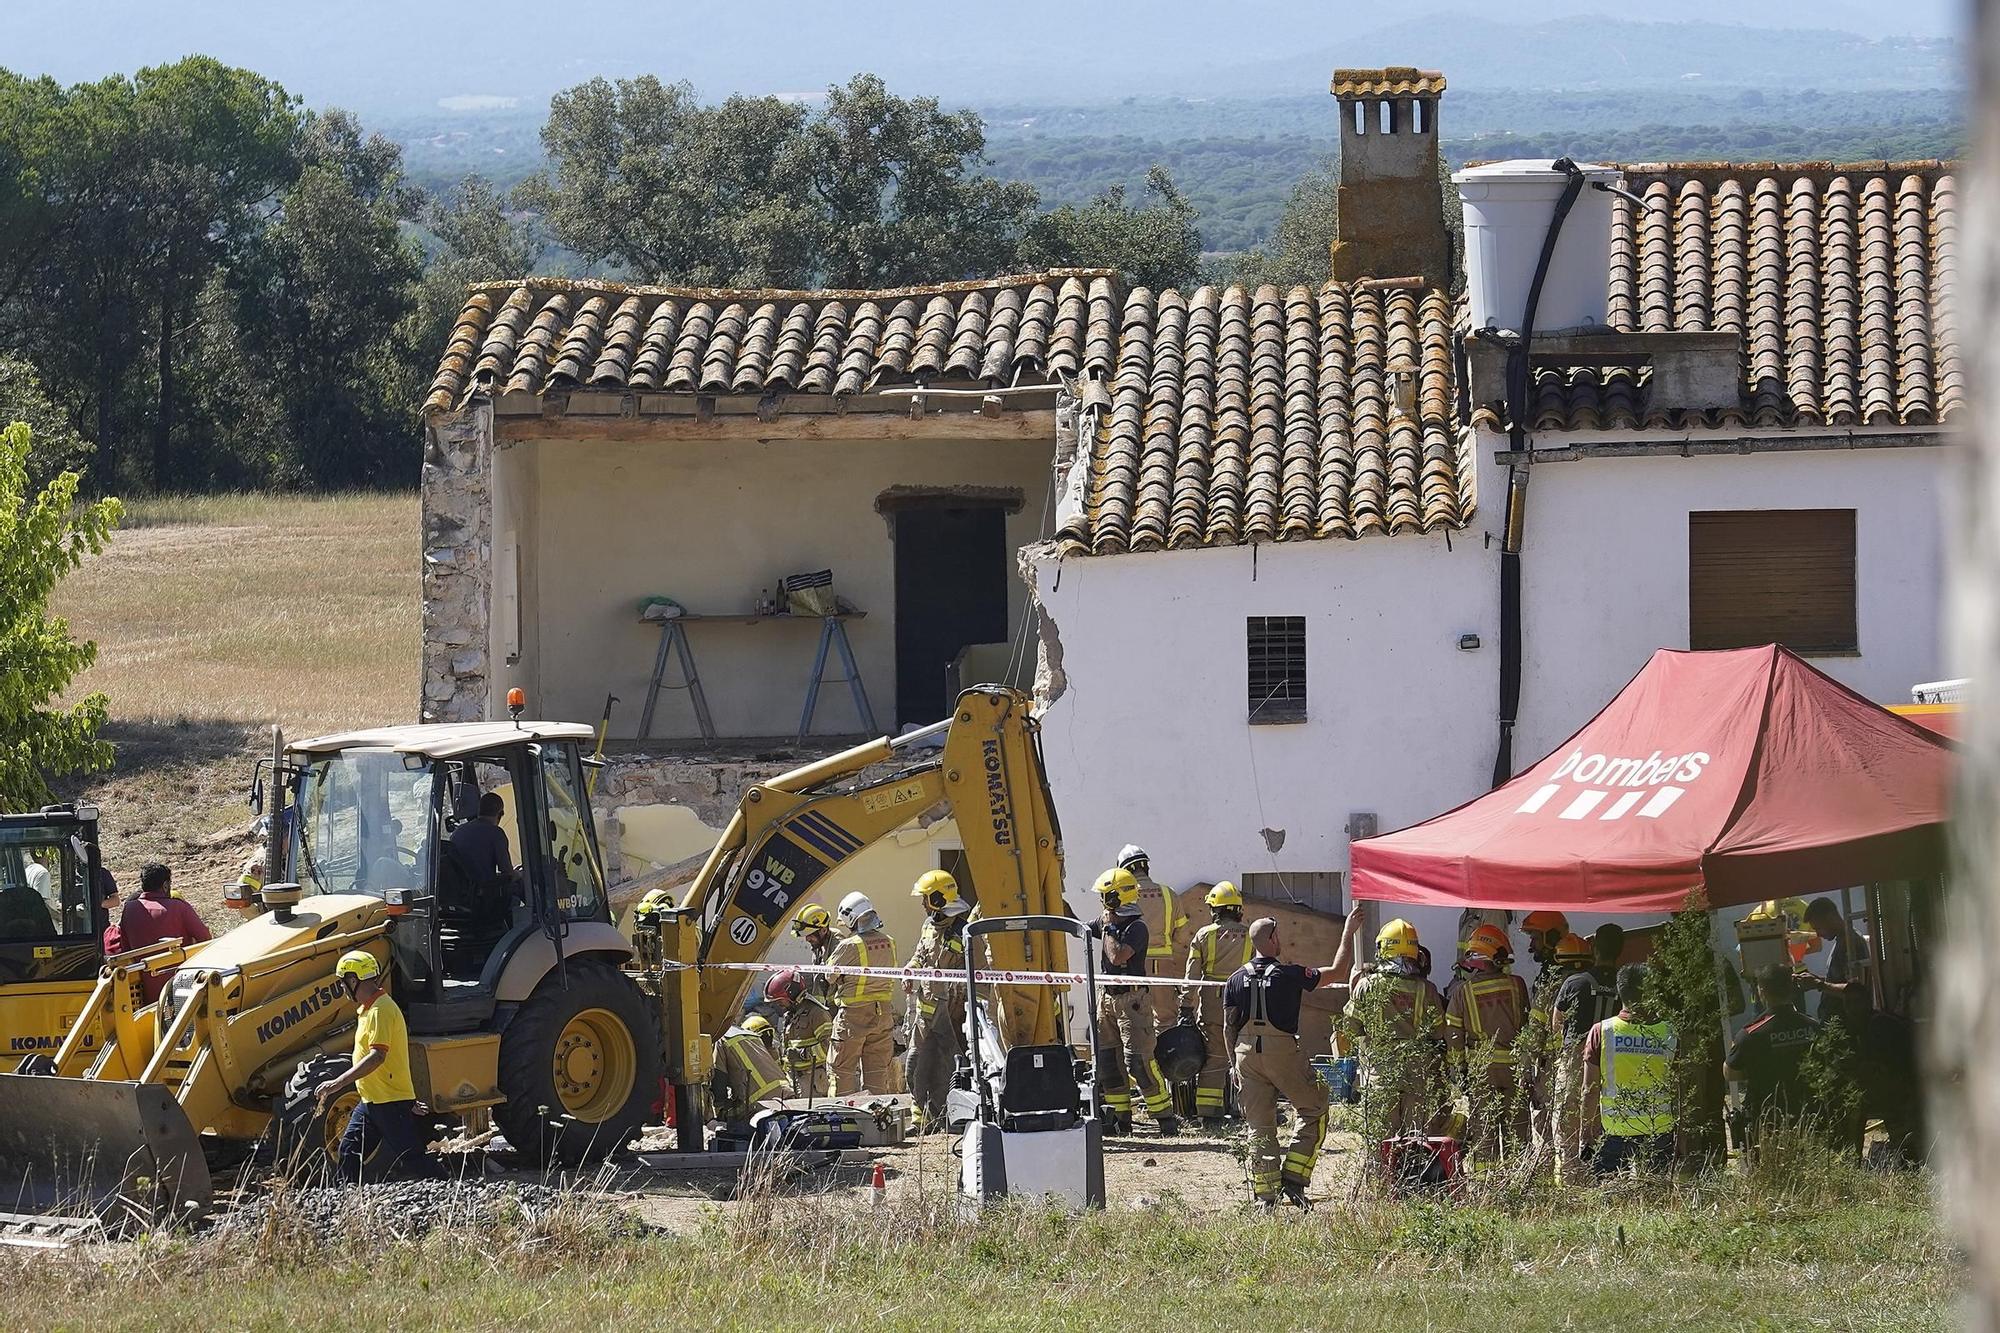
(481,844)
(1261,1007)
(1766,1057)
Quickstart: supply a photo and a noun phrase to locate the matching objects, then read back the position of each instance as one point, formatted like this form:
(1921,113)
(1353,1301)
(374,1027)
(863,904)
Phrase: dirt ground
(1203,1172)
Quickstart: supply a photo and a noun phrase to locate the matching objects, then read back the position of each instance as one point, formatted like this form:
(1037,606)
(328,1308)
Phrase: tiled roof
(548,335)
(1395,81)
(1272,416)
(1840,280)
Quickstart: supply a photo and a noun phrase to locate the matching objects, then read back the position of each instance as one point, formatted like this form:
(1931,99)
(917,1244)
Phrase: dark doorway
(951,590)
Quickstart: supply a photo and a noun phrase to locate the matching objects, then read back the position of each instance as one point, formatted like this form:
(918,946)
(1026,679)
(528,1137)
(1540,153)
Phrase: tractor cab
(50,925)
(479,837)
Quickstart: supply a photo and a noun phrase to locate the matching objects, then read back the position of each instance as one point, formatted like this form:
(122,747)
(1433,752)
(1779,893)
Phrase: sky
(380,56)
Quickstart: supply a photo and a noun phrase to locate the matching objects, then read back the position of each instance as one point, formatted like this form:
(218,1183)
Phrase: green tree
(1683,988)
(320,295)
(44,534)
(868,189)
(1158,245)
(58,447)
(1300,253)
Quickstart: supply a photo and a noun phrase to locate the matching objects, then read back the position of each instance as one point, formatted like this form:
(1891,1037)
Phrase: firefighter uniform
(1262,1000)
(746,1073)
(1483,1015)
(1399,1018)
(808,1028)
(1125,1032)
(1167,935)
(1219,950)
(937,1022)
(862,1049)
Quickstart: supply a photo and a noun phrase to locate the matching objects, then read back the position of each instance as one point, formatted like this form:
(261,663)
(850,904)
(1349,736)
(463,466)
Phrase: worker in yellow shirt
(383,1137)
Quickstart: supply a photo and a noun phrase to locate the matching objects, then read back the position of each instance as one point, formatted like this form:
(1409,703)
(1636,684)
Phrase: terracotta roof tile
(1839,279)
(554,335)
(1275,416)
(1394,81)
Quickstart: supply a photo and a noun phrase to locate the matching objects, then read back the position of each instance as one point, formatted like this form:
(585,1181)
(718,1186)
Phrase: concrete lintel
(1820,442)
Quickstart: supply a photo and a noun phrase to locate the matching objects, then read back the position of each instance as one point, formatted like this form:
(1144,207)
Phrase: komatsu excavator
(524,1001)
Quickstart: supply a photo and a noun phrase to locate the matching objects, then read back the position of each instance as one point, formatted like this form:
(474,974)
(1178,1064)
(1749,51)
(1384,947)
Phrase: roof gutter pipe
(1518,367)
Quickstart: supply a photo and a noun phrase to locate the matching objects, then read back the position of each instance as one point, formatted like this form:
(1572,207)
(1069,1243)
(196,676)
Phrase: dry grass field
(216,617)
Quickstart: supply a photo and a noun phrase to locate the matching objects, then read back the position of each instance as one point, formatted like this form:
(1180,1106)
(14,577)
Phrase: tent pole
(1722,1013)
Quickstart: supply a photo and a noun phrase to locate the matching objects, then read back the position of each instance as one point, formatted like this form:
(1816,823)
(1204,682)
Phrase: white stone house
(1253,542)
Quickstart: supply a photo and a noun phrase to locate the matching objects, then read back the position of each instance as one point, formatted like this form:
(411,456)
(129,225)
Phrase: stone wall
(457,578)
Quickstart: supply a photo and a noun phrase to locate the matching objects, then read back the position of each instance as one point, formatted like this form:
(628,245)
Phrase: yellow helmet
(812,917)
(359,964)
(760,1025)
(1397,939)
(1573,948)
(1224,894)
(656,900)
(1118,883)
(939,892)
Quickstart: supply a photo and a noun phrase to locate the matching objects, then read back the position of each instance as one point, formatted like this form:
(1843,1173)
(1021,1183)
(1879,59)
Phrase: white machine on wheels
(1030,1114)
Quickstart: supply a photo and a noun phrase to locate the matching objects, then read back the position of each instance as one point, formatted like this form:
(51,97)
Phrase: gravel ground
(405,1208)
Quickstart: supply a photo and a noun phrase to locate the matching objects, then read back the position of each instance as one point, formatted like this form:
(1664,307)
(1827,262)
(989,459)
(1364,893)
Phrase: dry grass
(255,609)
(217,616)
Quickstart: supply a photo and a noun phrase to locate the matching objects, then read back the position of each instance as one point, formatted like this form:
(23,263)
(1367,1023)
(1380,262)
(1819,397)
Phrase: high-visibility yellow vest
(1162,916)
(1219,948)
(875,949)
(1492,1012)
(1636,1062)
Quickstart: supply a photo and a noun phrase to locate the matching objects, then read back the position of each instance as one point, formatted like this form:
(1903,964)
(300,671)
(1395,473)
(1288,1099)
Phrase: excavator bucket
(122,1153)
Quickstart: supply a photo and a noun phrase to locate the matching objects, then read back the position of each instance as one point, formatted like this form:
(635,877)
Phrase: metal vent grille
(1277,647)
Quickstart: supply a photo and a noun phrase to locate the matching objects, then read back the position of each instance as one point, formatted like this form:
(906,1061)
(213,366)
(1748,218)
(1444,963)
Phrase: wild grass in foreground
(1828,1247)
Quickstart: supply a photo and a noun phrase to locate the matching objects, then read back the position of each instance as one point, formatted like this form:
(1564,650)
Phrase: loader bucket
(120,1152)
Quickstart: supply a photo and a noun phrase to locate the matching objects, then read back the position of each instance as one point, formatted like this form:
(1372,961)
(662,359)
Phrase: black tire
(303,1133)
(534,1117)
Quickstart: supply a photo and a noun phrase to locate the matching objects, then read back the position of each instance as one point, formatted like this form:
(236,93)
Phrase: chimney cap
(1388,81)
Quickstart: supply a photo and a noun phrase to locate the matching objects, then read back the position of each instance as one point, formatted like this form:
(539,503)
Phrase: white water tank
(1508,206)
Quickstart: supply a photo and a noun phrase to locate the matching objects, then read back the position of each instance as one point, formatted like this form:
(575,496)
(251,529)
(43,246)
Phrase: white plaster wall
(710,524)
(1150,743)
(1605,568)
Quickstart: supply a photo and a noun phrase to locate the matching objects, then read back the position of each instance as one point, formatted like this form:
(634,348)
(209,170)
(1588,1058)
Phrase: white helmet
(1134,855)
(857,912)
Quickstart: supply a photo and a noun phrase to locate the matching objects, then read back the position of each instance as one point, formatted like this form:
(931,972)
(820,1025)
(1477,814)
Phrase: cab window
(44,888)
(572,852)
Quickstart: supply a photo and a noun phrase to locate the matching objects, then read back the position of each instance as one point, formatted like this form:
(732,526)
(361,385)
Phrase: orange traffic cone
(878,1186)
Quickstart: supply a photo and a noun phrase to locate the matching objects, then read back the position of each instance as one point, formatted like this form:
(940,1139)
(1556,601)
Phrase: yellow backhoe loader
(51,936)
(523,1000)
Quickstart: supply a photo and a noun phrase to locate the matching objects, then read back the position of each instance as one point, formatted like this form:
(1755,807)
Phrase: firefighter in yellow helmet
(935,1008)
(1483,1015)
(746,1071)
(1124,1012)
(1169,932)
(814,925)
(863,1053)
(1396,1015)
(1219,948)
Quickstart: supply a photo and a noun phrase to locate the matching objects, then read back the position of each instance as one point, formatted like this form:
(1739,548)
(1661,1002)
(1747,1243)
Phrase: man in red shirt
(154,914)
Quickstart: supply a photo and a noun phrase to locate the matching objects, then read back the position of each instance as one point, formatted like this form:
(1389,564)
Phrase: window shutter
(1772,576)
(1277,648)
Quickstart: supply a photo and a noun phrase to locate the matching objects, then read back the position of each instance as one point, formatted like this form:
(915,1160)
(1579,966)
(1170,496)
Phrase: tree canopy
(44,534)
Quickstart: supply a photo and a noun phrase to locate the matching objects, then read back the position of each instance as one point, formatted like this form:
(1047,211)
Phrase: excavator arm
(790,833)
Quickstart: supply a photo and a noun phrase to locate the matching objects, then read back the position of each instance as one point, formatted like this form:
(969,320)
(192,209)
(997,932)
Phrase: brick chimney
(1391,202)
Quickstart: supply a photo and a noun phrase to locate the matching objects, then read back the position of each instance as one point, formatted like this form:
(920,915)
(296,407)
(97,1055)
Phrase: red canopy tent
(1746,772)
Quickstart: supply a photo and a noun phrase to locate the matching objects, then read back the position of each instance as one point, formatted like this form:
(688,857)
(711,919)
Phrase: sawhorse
(673,638)
(833,633)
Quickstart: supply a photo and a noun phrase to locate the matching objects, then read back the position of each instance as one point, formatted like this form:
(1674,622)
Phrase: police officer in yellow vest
(1628,1075)
(1396,1013)
(746,1071)
(1219,949)
(1124,1011)
(936,1008)
(1167,931)
(863,1052)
